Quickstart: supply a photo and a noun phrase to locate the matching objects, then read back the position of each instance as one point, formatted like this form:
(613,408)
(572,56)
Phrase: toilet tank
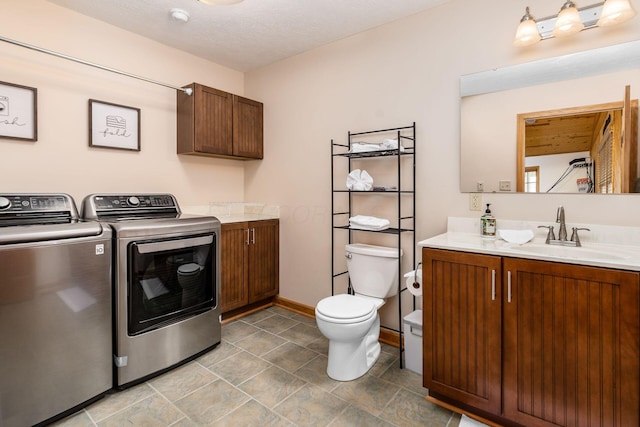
(373,270)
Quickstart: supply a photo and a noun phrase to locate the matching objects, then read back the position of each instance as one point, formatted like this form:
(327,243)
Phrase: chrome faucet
(562,233)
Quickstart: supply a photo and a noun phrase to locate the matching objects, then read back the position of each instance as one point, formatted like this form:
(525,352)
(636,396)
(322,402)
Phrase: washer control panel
(34,203)
(140,201)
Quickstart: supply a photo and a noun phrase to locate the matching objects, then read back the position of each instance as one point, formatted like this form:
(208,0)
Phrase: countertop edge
(468,242)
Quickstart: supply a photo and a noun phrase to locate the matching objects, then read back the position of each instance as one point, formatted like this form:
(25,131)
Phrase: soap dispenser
(488,224)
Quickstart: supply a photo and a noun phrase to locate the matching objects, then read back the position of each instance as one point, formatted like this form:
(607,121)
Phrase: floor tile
(301,334)
(276,324)
(270,370)
(237,330)
(321,346)
(181,381)
(405,378)
(252,414)
(356,417)
(315,372)
(260,343)
(311,406)
(223,351)
(280,311)
(118,400)
(385,360)
(368,392)
(79,419)
(272,386)
(152,411)
(240,367)
(211,402)
(289,356)
(410,410)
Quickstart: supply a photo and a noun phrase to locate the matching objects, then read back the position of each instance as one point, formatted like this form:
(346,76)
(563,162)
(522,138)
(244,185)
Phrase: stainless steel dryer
(55,309)
(166,275)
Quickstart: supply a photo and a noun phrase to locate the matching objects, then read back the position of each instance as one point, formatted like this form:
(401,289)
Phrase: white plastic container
(413,341)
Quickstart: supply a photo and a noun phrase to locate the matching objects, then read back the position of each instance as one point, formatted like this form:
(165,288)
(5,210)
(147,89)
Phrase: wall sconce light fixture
(571,20)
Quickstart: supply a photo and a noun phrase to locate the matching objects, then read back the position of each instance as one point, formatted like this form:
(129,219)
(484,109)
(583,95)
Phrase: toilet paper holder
(416,284)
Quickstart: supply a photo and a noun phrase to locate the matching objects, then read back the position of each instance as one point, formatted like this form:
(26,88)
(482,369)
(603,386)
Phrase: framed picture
(114,126)
(18,112)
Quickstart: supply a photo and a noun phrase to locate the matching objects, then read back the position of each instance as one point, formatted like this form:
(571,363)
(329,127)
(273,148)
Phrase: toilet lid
(188,269)
(345,306)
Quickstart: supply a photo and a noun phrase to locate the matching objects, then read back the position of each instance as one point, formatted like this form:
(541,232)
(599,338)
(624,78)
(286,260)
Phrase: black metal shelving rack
(406,137)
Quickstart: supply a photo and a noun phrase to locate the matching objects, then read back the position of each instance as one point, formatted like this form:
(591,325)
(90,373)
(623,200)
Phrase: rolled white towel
(364,222)
(358,180)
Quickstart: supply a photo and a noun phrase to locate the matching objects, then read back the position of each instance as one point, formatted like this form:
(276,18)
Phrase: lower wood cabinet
(532,343)
(249,263)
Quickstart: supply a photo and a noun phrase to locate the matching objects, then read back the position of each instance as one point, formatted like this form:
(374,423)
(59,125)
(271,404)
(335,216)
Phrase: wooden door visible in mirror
(581,131)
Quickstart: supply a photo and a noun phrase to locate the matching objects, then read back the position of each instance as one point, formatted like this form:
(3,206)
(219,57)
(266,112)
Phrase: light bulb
(615,12)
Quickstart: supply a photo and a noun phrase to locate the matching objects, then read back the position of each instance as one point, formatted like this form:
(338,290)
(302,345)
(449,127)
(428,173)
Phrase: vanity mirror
(503,106)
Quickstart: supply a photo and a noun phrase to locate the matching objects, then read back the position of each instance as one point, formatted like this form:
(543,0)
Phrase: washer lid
(345,306)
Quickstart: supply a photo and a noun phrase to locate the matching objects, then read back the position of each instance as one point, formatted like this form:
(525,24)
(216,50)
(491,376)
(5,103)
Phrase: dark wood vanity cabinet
(567,341)
(249,263)
(461,327)
(215,123)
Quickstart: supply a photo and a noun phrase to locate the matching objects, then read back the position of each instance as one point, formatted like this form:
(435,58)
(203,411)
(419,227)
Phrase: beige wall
(61,160)
(393,75)
(396,74)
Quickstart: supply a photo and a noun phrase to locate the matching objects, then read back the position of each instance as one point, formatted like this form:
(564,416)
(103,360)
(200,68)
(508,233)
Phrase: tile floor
(270,370)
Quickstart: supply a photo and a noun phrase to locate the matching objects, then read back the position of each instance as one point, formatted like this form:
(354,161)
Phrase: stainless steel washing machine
(166,276)
(55,309)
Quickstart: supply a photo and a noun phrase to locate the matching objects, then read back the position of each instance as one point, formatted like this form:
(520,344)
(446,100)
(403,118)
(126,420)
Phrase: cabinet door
(234,249)
(462,327)
(263,259)
(570,345)
(247,128)
(213,121)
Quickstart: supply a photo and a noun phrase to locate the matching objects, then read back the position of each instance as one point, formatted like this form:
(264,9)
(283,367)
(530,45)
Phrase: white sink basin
(569,252)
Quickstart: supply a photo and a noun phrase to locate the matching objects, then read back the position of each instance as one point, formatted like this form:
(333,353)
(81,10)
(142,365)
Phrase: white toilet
(351,322)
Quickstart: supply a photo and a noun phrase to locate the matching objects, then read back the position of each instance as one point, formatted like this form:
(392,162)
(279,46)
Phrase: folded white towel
(387,144)
(363,222)
(358,180)
(516,236)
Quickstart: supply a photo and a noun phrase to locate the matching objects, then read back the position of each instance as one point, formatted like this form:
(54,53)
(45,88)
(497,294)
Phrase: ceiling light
(571,20)
(615,12)
(527,31)
(220,2)
(179,15)
(568,21)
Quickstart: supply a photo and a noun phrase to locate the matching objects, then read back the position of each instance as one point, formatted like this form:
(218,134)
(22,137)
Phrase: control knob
(4,203)
(133,201)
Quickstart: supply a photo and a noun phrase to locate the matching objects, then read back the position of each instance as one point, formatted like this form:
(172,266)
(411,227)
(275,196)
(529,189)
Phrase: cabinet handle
(247,241)
(508,286)
(253,235)
(493,285)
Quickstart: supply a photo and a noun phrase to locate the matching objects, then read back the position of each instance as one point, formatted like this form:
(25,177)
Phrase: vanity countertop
(593,252)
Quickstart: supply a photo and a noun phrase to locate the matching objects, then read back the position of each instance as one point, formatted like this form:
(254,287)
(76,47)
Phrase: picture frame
(114,126)
(18,112)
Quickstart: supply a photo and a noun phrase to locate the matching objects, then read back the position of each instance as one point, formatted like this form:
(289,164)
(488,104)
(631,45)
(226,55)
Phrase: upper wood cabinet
(215,123)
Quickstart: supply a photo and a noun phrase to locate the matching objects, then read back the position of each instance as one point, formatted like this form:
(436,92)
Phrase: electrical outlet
(505,185)
(475,201)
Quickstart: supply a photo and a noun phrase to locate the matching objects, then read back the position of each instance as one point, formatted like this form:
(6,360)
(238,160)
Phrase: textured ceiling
(250,34)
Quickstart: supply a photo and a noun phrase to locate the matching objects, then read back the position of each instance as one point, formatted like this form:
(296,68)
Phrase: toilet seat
(346,308)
